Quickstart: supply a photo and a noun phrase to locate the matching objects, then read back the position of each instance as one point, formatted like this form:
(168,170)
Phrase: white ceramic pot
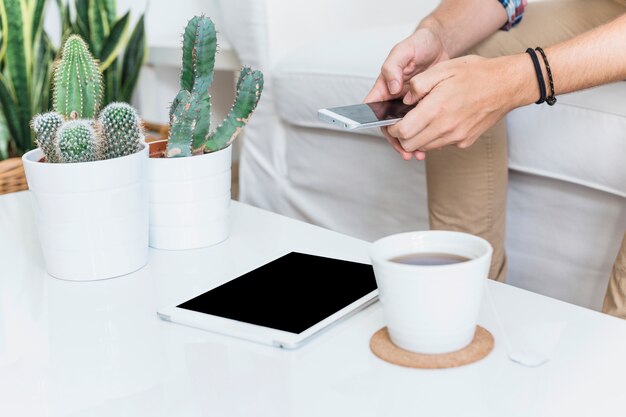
(92,217)
(190,200)
(431,309)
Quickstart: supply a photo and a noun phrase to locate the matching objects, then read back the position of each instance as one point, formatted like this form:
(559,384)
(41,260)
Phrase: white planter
(189,200)
(92,217)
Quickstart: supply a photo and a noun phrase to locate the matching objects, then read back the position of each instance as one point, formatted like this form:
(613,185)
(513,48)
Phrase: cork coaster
(383,347)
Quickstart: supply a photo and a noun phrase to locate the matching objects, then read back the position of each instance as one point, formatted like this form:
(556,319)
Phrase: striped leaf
(10,111)
(114,42)
(36,9)
(134,58)
(98,26)
(81,25)
(110,6)
(18,64)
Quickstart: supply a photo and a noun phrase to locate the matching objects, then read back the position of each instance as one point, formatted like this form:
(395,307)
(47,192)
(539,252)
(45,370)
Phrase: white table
(98,349)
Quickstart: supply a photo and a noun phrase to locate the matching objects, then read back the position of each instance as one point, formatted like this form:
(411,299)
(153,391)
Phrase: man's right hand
(408,58)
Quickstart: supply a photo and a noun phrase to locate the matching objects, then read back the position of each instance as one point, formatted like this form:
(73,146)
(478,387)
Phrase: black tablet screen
(291,293)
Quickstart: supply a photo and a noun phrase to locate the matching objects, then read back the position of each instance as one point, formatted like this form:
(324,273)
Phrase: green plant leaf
(98,27)
(110,6)
(4,138)
(10,111)
(3,37)
(114,42)
(18,66)
(81,26)
(134,57)
(36,12)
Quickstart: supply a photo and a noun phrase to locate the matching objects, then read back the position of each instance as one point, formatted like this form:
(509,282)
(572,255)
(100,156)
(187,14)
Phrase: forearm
(461,24)
(594,58)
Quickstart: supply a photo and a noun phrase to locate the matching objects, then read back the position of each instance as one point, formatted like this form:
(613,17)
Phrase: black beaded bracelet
(542,84)
(549,99)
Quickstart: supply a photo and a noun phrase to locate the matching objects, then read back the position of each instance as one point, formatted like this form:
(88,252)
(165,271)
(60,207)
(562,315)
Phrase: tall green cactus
(190,113)
(77,142)
(121,130)
(77,81)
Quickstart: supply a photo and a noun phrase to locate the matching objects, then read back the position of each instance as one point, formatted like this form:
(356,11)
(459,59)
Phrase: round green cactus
(45,127)
(121,130)
(77,142)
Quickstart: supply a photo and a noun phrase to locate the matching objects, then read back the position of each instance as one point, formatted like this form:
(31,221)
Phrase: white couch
(567,198)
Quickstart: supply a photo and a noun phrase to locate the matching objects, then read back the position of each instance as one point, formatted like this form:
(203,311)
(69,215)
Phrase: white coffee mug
(431,309)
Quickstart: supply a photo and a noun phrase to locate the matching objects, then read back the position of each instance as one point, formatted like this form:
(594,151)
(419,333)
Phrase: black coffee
(429,259)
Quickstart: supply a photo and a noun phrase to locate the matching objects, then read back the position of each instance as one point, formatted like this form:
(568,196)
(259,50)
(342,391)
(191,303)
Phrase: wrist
(432,26)
(522,85)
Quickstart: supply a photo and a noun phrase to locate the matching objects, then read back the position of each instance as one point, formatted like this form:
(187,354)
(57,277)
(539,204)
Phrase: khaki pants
(475,179)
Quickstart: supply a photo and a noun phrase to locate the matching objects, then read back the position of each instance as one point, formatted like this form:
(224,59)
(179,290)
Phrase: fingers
(396,144)
(378,92)
(422,84)
(393,69)
(412,124)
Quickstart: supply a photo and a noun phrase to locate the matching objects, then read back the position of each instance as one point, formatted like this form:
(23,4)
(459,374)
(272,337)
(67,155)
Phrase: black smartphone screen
(291,293)
(375,112)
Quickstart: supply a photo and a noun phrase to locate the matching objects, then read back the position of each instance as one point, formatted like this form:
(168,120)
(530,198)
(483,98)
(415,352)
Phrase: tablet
(282,303)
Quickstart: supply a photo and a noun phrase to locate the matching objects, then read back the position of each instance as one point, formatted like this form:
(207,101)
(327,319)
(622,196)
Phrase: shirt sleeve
(515,10)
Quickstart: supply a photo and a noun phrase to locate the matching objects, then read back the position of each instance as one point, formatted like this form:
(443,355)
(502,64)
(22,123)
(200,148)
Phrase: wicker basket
(12,177)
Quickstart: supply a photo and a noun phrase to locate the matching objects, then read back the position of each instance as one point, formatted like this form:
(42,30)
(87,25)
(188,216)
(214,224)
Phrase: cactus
(121,130)
(45,127)
(77,81)
(77,142)
(190,113)
(249,89)
(77,93)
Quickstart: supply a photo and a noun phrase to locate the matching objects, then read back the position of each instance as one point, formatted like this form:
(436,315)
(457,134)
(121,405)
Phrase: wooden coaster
(383,347)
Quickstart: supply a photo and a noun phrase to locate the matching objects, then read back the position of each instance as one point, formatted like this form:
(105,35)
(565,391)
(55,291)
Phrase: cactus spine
(77,81)
(190,113)
(121,130)
(45,127)
(77,141)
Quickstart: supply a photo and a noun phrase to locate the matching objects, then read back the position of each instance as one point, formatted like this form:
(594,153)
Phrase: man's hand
(460,99)
(410,57)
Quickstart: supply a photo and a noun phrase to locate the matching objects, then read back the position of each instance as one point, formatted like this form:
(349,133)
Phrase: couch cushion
(582,139)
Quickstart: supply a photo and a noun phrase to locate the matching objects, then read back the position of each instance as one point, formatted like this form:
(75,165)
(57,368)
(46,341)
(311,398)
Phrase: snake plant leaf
(36,12)
(9,109)
(18,63)
(5,138)
(3,44)
(81,26)
(134,57)
(114,42)
(42,74)
(110,7)
(98,26)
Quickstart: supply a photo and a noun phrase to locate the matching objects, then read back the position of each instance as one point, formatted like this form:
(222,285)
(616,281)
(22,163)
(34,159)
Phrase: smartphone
(283,303)
(362,116)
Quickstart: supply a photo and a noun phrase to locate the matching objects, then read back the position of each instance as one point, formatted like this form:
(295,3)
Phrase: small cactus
(78,84)
(77,142)
(45,127)
(121,130)
(190,113)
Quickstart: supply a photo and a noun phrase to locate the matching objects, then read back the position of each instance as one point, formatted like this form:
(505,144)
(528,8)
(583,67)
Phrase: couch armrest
(264,31)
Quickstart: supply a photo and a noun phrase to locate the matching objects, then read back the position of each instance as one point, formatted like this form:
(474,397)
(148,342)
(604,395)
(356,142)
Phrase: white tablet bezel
(252,332)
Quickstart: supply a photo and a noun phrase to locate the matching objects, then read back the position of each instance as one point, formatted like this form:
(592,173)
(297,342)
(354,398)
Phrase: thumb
(393,68)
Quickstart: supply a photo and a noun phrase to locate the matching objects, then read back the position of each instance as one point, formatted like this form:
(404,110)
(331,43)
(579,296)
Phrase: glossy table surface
(98,348)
